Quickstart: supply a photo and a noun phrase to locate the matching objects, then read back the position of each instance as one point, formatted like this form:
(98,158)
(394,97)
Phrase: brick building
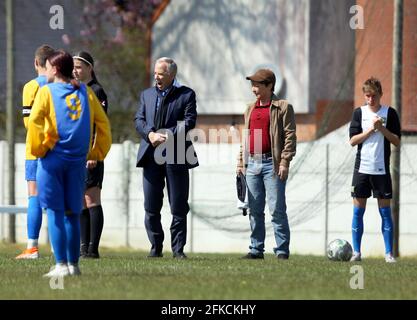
(330,45)
(374,51)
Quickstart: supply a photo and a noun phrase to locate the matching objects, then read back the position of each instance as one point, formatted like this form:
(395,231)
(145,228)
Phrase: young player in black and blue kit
(374,127)
(60,133)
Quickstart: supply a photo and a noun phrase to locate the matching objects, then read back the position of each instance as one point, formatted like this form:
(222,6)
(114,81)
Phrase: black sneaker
(282,256)
(83,250)
(253,256)
(155,255)
(93,255)
(179,255)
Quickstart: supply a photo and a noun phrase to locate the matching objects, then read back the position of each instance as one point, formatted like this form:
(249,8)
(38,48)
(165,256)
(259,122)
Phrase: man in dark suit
(166,113)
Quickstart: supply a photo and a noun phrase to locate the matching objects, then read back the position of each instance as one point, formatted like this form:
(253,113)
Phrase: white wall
(217,43)
(215,225)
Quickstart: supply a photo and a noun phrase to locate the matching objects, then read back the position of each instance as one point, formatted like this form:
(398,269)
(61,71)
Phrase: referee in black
(92,219)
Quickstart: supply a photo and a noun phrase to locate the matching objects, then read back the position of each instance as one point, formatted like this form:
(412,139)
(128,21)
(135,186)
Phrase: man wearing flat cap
(264,157)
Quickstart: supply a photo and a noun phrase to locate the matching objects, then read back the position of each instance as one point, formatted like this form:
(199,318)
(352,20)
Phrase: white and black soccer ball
(339,250)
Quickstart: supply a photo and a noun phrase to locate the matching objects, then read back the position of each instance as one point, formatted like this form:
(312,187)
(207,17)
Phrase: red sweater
(259,120)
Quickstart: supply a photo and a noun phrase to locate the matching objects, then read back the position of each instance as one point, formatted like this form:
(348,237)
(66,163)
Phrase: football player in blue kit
(34,215)
(60,134)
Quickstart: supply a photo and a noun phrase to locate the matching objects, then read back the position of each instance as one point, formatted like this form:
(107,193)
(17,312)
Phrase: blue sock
(57,234)
(387,228)
(34,218)
(357,228)
(72,228)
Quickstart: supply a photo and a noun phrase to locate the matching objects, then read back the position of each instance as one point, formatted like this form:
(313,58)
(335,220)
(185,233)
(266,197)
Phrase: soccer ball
(339,250)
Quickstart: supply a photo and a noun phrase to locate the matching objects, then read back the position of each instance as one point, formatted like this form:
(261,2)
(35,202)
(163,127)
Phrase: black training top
(99,91)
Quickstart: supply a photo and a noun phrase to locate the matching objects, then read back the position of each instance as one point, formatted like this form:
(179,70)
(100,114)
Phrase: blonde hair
(372,85)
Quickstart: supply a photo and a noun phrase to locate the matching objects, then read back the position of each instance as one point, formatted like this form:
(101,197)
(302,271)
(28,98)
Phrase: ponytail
(93,75)
(75,83)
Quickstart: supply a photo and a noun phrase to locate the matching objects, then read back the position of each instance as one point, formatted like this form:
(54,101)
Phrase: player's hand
(378,123)
(91,164)
(283,173)
(157,138)
(239,171)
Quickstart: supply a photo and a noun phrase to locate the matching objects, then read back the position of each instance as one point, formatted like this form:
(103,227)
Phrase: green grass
(128,274)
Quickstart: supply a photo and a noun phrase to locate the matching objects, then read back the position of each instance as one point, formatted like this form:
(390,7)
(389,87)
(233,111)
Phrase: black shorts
(363,184)
(94,177)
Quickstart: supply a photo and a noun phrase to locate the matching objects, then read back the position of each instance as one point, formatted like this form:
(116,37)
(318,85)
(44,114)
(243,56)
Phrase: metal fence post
(326,199)
(127,147)
(191,211)
(2,186)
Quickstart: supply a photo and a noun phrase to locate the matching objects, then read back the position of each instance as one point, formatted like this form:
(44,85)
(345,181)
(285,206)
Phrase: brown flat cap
(262,75)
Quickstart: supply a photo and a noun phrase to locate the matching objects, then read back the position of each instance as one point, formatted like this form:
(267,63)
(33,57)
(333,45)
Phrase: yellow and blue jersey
(30,91)
(62,120)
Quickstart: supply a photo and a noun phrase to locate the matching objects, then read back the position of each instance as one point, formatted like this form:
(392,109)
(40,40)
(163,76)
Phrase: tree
(115,32)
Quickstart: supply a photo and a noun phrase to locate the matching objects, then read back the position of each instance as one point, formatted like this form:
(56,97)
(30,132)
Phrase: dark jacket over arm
(140,120)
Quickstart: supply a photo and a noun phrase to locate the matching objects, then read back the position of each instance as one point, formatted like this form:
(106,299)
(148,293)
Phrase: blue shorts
(61,183)
(31,167)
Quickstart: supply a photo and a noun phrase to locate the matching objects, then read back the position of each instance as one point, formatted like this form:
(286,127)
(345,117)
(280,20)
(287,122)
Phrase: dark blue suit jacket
(181,104)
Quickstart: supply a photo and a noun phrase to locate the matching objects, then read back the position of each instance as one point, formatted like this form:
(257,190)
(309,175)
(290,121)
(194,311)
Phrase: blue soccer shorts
(31,167)
(61,183)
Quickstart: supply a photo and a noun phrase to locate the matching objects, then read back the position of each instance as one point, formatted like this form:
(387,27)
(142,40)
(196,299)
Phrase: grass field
(128,274)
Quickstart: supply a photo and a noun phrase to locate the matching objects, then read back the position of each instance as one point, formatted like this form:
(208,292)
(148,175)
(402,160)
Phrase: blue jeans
(263,183)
